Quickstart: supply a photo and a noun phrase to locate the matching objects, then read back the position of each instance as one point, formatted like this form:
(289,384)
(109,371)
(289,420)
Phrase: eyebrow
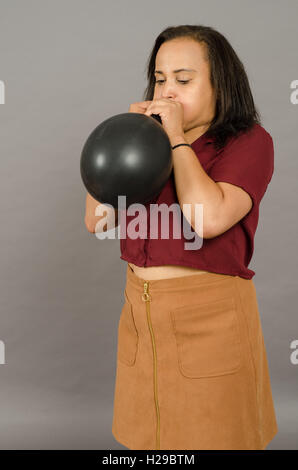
(176,71)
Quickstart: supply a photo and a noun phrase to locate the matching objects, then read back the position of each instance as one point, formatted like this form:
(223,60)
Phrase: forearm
(93,214)
(194,186)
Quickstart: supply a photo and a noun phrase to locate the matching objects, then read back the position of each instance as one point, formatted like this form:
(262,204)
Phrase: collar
(204,139)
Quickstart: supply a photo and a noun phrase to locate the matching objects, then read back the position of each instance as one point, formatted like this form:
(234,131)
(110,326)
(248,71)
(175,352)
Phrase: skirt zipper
(146,298)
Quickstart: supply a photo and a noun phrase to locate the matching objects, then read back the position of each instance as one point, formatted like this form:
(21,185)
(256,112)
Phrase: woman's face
(196,95)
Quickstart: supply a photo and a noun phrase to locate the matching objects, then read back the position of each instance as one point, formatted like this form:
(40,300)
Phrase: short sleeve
(247,161)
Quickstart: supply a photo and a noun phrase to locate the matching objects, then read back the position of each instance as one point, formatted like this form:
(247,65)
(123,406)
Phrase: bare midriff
(150,273)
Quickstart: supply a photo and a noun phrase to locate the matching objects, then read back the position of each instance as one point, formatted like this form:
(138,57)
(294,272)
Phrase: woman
(192,370)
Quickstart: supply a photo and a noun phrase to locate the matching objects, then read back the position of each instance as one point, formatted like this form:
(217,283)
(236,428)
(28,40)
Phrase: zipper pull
(145,295)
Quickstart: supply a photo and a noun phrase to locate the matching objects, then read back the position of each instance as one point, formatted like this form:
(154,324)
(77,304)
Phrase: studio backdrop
(65,67)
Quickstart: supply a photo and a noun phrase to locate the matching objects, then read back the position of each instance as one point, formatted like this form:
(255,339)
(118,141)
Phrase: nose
(168,95)
(168,91)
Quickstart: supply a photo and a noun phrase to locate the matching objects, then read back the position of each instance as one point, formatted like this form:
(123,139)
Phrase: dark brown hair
(235,109)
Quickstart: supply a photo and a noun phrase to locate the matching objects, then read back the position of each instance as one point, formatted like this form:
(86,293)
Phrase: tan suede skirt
(192,370)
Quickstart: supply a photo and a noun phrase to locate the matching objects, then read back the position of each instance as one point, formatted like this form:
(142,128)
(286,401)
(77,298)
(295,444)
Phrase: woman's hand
(171,113)
(139,107)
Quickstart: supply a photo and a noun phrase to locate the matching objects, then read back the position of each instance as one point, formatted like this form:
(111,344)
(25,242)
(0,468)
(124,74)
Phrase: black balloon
(128,154)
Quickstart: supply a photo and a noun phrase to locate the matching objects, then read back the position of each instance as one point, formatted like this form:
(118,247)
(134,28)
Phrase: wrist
(179,139)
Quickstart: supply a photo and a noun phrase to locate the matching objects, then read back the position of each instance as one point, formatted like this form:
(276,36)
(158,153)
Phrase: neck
(193,134)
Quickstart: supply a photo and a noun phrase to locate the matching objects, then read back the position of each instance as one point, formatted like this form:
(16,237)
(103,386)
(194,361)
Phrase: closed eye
(180,81)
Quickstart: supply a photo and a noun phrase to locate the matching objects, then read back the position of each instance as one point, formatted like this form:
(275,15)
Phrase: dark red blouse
(246,161)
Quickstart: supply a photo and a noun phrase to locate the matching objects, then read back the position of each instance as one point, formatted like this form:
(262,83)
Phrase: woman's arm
(91,219)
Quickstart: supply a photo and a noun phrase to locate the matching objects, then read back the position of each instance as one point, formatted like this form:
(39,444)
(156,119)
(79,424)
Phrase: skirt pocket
(128,338)
(207,338)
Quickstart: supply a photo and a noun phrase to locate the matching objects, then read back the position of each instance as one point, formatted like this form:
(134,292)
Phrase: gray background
(67,66)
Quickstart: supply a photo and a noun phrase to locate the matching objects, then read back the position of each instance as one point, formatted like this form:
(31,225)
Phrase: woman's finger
(139,107)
